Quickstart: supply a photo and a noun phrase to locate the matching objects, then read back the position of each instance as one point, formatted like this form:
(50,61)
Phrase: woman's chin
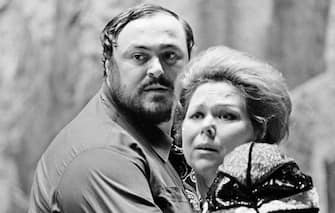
(205,168)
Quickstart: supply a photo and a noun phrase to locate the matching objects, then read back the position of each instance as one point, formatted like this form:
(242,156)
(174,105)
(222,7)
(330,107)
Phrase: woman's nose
(209,131)
(155,70)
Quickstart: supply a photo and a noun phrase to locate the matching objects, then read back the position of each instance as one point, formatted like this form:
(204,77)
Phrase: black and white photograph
(171,106)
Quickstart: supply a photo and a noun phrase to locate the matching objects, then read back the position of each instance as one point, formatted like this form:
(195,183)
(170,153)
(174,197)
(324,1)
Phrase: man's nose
(155,69)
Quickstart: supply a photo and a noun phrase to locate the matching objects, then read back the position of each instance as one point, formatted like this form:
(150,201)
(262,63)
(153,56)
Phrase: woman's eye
(227,116)
(197,115)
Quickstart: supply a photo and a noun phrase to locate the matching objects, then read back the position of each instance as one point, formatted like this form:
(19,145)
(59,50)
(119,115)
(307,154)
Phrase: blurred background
(50,65)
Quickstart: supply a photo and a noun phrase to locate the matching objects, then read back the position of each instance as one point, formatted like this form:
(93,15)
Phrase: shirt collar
(151,135)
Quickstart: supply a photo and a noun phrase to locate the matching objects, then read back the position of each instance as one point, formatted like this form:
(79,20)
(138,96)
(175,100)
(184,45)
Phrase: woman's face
(216,121)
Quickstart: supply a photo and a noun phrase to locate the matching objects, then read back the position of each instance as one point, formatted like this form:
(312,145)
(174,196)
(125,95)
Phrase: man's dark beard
(136,111)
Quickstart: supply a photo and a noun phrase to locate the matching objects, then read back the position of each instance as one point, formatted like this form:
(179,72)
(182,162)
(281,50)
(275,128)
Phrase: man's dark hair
(113,28)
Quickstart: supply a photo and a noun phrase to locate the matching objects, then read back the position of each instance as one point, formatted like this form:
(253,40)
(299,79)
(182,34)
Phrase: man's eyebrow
(170,46)
(135,46)
(130,49)
(164,46)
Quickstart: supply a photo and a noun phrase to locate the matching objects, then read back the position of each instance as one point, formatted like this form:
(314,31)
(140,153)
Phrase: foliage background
(50,65)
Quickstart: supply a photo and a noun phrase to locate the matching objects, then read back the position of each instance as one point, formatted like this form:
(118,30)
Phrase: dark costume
(106,161)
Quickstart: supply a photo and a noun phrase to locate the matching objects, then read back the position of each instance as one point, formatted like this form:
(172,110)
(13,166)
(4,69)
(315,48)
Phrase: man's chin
(157,103)
(157,97)
(157,112)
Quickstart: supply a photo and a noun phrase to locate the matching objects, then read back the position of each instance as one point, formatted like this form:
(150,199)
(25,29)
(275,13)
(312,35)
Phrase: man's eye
(140,57)
(170,57)
(197,115)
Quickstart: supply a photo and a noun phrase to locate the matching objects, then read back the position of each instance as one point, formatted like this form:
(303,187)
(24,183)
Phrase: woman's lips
(207,147)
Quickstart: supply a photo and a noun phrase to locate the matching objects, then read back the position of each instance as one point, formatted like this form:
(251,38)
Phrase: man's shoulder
(93,127)
(96,171)
(87,133)
(104,159)
(73,141)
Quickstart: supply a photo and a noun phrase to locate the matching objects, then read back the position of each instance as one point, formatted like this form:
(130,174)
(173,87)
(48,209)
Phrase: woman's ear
(260,129)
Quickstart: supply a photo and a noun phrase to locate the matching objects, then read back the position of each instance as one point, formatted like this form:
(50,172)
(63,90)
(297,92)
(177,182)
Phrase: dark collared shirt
(103,161)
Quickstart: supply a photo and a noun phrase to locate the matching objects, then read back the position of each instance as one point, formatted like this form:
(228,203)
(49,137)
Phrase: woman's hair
(267,100)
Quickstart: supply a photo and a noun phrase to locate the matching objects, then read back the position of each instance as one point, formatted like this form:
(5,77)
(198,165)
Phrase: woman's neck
(202,185)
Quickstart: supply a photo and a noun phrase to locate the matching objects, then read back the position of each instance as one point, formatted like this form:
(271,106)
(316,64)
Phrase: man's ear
(107,67)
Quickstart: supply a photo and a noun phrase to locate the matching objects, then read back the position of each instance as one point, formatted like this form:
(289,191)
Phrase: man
(113,157)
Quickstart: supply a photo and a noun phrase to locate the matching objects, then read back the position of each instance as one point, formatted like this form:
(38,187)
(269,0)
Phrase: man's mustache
(159,81)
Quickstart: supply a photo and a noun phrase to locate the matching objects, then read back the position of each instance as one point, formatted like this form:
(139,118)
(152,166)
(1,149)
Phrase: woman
(227,98)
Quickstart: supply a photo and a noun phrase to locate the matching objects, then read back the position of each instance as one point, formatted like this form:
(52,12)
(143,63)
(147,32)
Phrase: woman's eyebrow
(196,107)
(225,105)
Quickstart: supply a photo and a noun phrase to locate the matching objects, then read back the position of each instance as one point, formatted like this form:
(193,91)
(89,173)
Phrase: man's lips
(156,87)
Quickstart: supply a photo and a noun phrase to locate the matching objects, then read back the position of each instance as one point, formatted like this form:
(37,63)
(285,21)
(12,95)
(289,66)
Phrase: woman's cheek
(188,137)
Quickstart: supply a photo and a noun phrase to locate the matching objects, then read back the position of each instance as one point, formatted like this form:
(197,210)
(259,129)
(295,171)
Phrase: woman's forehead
(217,93)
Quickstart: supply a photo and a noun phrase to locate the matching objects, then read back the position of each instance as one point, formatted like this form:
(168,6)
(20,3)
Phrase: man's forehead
(154,22)
(161,16)
(158,29)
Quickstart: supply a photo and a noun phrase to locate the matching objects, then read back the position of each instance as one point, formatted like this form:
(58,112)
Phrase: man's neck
(165,127)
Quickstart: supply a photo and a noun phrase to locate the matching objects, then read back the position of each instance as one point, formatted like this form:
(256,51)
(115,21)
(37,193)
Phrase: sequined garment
(266,158)
(256,174)
(187,175)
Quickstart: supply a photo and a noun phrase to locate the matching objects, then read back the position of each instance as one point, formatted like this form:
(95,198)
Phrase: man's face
(150,52)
